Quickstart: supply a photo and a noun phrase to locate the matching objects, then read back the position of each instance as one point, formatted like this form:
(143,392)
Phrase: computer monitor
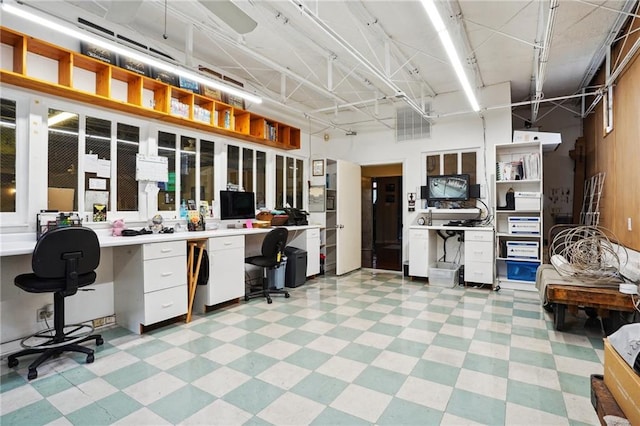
(448,188)
(237,205)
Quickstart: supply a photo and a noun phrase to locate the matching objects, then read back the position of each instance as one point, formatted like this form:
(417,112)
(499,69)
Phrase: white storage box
(523,249)
(527,200)
(524,225)
(443,274)
(549,140)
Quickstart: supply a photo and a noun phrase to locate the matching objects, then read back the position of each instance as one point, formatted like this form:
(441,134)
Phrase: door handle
(339,226)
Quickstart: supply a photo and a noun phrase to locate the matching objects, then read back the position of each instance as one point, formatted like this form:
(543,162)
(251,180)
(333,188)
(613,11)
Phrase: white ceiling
(287,58)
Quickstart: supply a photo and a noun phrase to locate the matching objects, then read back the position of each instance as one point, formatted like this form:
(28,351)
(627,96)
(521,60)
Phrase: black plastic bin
(296,272)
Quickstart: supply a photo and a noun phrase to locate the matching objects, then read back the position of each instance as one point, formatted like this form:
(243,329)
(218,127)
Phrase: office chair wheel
(287,295)
(90,358)
(269,300)
(246,298)
(99,341)
(33,373)
(13,362)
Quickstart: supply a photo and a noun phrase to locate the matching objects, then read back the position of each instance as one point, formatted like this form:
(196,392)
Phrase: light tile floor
(365,348)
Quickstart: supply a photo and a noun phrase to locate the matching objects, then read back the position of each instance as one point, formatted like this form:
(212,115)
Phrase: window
(190,166)
(207,180)
(189,176)
(98,143)
(233,165)
(166,194)
(261,179)
(289,178)
(63,160)
(452,163)
(247,169)
(127,146)
(8,155)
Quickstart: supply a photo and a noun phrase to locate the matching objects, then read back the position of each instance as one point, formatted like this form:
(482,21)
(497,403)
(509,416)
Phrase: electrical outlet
(45,312)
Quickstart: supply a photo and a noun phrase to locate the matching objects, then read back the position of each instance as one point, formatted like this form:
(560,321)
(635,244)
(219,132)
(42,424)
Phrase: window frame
(19,217)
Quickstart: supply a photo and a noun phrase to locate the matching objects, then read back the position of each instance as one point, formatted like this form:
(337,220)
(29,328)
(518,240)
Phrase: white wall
(451,133)
(559,168)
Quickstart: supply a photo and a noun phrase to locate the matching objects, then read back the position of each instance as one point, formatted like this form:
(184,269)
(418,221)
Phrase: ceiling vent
(411,125)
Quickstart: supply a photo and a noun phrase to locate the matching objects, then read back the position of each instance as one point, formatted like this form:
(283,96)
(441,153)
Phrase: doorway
(382,201)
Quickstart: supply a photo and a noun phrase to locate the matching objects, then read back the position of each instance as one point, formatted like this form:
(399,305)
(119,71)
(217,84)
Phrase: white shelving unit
(331,215)
(515,269)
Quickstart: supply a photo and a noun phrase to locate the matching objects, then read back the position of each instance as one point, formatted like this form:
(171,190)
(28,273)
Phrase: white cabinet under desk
(308,240)
(226,272)
(150,283)
(478,252)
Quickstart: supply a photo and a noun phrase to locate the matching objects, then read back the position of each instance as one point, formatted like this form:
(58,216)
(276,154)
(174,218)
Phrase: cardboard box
(622,382)
(527,200)
(523,249)
(549,140)
(524,225)
(60,199)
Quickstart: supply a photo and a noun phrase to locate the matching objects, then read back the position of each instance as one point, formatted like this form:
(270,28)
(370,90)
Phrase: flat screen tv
(448,188)
(237,205)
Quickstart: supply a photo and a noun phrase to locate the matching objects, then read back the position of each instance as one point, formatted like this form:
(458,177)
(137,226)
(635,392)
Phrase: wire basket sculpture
(588,252)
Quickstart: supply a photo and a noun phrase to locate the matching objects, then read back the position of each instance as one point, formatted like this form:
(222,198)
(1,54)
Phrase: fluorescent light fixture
(447,43)
(120,50)
(59,118)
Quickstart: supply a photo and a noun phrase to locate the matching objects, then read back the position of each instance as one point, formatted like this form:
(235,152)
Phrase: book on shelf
(509,170)
(527,168)
(531,165)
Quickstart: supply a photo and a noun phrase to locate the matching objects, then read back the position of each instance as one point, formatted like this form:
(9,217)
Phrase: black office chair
(271,258)
(63,261)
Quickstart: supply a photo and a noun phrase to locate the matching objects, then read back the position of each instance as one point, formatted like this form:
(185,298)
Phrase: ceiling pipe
(376,28)
(358,56)
(266,61)
(599,56)
(543,57)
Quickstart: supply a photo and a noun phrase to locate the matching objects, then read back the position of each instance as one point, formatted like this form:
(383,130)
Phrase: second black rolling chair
(271,258)
(63,260)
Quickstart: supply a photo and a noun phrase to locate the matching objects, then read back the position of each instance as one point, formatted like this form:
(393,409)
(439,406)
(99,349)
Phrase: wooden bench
(601,301)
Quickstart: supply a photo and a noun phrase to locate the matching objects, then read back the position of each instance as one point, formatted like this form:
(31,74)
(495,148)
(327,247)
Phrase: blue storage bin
(523,271)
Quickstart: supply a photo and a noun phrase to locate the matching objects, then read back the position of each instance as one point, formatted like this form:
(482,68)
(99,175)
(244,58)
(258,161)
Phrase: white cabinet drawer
(479,236)
(225,243)
(165,273)
(475,251)
(418,234)
(164,304)
(478,272)
(313,233)
(166,249)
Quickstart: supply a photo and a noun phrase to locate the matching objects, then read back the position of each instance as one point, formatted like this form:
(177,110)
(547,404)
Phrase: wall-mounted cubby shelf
(144,97)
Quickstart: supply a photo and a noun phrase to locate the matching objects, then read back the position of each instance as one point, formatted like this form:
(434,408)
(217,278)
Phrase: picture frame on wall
(165,77)
(133,65)
(234,101)
(210,92)
(188,84)
(97,52)
(317,168)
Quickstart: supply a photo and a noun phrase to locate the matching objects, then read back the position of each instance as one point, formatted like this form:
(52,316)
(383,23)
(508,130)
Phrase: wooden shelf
(170,104)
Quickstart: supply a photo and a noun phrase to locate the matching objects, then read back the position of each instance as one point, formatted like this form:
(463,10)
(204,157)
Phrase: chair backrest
(59,247)
(274,243)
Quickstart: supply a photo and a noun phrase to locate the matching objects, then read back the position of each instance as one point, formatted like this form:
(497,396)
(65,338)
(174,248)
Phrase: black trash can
(296,272)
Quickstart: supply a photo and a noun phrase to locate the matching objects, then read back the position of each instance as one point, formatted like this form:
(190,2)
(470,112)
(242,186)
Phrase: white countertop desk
(24,243)
(477,255)
(142,279)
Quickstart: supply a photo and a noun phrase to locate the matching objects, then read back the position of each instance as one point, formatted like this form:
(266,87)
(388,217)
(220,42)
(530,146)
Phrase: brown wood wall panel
(618,153)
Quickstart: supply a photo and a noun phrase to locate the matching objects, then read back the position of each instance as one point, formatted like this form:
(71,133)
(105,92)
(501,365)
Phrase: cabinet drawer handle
(478,252)
(166,274)
(227,244)
(166,305)
(166,250)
